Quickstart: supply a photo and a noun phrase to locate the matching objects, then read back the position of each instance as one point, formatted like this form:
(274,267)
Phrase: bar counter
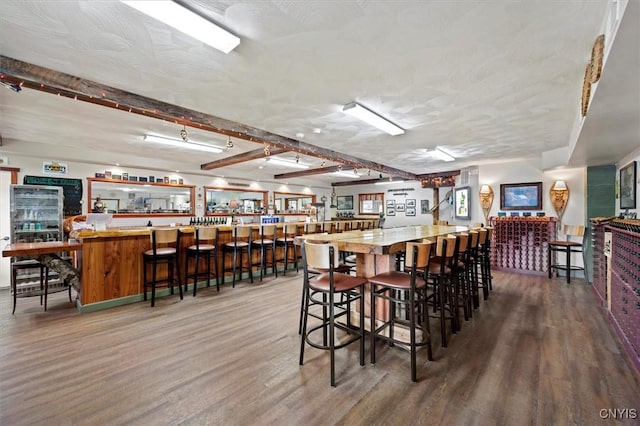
(110,261)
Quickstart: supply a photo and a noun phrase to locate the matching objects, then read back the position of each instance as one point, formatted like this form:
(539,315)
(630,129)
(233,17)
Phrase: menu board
(71,190)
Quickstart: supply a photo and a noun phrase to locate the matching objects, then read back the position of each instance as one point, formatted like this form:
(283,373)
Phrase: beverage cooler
(36,216)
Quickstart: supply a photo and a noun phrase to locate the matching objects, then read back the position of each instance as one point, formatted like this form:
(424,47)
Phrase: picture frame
(411,203)
(344,202)
(521,196)
(391,203)
(391,211)
(461,203)
(411,211)
(400,207)
(628,186)
(424,206)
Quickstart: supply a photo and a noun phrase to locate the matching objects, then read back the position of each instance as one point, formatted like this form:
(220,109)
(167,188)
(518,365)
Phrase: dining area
(398,279)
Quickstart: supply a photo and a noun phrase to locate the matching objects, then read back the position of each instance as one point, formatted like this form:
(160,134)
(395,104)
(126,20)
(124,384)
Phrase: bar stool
(266,243)
(483,261)
(568,247)
(410,291)
(164,250)
(286,242)
(323,290)
(205,247)
(240,245)
(441,275)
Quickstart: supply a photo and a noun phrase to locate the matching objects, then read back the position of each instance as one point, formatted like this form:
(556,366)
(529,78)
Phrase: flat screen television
(100,221)
(521,196)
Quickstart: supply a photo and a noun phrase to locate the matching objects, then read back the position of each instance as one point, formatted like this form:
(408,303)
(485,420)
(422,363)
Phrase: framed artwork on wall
(411,203)
(399,207)
(391,211)
(345,202)
(461,198)
(628,186)
(424,206)
(521,196)
(411,211)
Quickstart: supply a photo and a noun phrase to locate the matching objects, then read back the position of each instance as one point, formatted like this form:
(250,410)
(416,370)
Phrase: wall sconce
(486,200)
(559,194)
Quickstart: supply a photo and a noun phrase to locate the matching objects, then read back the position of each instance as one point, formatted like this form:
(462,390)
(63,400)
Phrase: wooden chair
(335,293)
(568,247)
(205,247)
(164,250)
(410,291)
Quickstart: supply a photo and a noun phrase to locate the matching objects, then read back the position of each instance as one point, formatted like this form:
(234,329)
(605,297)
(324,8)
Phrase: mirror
(288,202)
(221,200)
(140,198)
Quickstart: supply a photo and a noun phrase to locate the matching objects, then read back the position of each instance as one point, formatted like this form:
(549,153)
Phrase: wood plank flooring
(538,352)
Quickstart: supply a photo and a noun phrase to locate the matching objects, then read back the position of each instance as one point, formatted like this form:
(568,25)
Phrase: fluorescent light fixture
(188,22)
(346,174)
(372,118)
(282,162)
(440,154)
(182,144)
(388,182)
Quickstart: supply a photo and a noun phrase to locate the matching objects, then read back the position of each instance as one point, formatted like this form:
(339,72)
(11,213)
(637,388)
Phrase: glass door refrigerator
(36,216)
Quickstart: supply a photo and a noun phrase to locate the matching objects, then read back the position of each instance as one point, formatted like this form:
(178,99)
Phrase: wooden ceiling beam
(240,158)
(39,78)
(368,181)
(309,172)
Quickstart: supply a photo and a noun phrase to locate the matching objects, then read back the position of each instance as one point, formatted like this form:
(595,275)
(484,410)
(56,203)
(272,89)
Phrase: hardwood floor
(537,352)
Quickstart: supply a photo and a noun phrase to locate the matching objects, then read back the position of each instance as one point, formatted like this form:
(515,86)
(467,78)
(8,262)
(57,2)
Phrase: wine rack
(520,243)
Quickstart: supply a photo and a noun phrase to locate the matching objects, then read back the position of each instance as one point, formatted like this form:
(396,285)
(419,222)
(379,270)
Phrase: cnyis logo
(619,413)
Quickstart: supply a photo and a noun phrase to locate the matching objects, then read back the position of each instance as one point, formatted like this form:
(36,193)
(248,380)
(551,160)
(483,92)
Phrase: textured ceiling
(485,81)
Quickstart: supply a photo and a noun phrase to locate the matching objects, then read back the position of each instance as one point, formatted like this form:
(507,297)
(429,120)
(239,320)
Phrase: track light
(183,134)
(267,151)
(229,142)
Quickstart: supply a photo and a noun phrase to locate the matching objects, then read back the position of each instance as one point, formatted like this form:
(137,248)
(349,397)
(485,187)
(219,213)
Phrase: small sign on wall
(54,168)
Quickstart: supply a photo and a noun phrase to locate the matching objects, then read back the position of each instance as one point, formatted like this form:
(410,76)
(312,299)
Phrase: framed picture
(391,203)
(521,196)
(399,207)
(345,202)
(461,197)
(411,203)
(411,211)
(424,206)
(628,186)
(391,211)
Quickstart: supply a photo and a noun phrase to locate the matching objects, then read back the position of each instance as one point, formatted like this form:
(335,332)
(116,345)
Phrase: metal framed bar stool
(165,244)
(241,245)
(205,248)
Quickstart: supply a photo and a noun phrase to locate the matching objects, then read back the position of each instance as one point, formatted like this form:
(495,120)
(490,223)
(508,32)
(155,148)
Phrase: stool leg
(568,251)
(195,275)
(46,286)
(215,265)
(153,283)
(549,263)
(14,288)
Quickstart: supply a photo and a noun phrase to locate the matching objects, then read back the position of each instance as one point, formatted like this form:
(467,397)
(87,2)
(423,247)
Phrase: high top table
(375,249)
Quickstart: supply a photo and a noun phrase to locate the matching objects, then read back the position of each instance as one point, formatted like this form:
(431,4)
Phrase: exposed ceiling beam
(369,181)
(309,172)
(240,158)
(35,77)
